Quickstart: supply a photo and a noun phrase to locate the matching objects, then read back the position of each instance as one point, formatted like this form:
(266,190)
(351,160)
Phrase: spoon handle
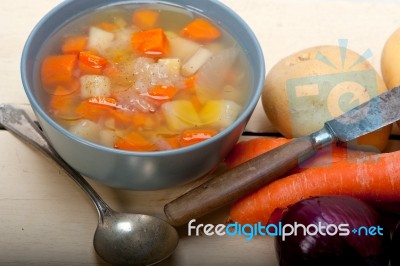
(18,122)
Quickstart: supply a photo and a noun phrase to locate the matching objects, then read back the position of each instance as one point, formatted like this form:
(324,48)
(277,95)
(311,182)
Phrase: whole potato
(390,60)
(312,86)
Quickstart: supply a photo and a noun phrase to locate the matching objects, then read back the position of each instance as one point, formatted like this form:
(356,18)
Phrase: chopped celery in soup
(139,80)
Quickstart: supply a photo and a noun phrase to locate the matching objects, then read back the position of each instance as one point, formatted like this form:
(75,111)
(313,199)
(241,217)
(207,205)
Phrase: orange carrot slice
(64,89)
(145,18)
(74,45)
(193,136)
(88,70)
(107,26)
(201,30)
(190,84)
(173,142)
(152,43)
(122,118)
(58,69)
(63,103)
(95,108)
(125,118)
(92,60)
(162,92)
(134,142)
(103,101)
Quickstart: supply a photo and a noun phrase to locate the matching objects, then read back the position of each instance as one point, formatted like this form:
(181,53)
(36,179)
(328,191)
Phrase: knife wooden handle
(239,181)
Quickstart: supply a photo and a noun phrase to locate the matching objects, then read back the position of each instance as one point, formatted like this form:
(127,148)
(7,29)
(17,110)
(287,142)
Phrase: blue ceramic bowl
(140,170)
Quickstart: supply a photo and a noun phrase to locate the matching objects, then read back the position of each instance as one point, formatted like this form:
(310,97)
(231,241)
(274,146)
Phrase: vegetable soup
(144,77)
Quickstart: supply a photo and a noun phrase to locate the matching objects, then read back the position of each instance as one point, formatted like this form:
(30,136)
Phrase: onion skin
(395,256)
(335,250)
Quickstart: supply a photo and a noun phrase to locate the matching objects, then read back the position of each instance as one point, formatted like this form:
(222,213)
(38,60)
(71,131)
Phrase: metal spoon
(120,238)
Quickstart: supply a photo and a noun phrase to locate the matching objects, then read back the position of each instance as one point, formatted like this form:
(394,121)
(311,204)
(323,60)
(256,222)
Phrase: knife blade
(221,190)
(380,111)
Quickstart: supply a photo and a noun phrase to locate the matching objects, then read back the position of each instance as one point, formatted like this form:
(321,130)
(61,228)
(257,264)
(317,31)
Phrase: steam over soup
(144,77)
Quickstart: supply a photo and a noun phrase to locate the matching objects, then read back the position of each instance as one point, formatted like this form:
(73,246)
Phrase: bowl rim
(245,114)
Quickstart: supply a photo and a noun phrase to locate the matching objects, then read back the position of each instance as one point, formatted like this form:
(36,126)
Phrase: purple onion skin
(335,250)
(395,256)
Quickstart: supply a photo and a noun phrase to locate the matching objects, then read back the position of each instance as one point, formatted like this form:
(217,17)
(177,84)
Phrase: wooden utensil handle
(239,181)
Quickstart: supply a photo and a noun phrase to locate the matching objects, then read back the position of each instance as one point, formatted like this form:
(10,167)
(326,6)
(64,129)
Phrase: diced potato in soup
(99,40)
(196,61)
(95,85)
(144,84)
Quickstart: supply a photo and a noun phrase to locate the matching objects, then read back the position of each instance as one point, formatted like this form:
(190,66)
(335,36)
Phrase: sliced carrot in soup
(58,69)
(153,43)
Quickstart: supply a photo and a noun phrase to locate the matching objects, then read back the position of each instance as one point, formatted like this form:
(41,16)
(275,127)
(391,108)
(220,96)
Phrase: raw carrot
(246,150)
(201,30)
(58,69)
(193,136)
(162,92)
(134,142)
(74,45)
(92,60)
(152,43)
(145,18)
(332,154)
(372,178)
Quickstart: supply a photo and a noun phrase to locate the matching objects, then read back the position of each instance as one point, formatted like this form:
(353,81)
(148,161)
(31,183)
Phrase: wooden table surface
(45,219)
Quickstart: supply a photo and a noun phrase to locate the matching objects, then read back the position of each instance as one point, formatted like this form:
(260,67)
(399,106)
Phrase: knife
(221,190)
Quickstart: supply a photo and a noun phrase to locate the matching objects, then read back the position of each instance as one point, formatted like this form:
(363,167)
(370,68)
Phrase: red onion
(395,256)
(340,231)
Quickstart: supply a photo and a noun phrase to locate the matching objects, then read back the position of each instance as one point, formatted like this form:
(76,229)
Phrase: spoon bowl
(141,238)
(120,238)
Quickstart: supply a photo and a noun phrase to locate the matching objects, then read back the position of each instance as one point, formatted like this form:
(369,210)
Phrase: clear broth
(158,130)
